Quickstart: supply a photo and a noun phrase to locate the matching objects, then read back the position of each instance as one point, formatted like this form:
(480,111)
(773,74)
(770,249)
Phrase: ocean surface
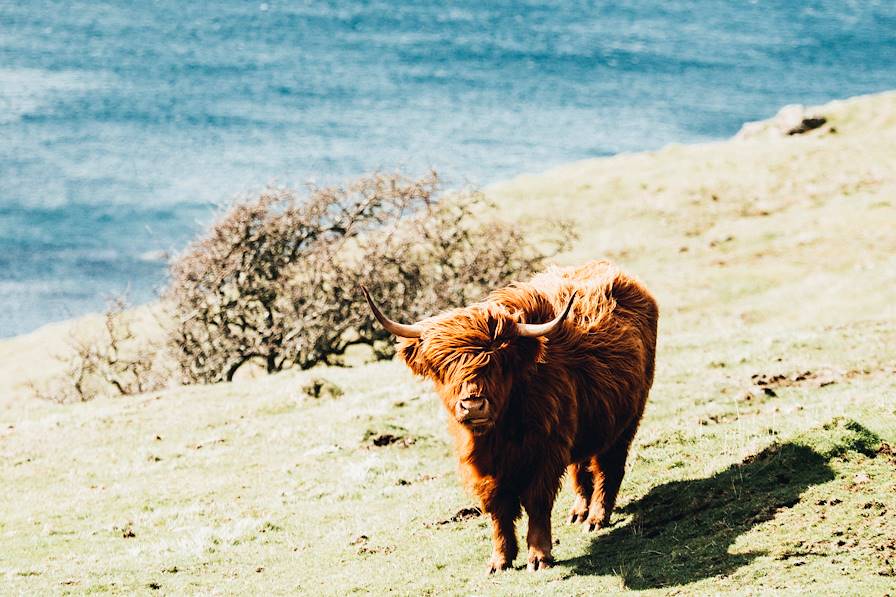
(124,124)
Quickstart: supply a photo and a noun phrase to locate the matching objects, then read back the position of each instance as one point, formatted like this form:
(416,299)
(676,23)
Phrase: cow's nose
(473,407)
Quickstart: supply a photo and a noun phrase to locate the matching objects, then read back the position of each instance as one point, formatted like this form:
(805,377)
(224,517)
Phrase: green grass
(786,278)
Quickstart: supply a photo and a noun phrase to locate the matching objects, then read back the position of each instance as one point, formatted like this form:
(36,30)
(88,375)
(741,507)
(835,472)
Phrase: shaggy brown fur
(572,399)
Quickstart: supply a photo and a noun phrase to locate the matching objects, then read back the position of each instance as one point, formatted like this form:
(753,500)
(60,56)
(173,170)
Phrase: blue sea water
(123,123)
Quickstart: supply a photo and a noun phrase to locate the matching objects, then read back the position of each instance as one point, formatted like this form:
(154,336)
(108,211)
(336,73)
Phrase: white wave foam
(26,91)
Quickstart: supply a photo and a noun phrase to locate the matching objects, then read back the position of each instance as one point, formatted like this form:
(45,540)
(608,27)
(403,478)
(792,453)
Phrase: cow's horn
(393,327)
(535,330)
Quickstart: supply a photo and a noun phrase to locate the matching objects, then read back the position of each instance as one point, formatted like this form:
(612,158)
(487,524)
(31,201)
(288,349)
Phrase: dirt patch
(832,502)
(766,455)
(817,379)
(362,542)
(387,434)
(319,387)
(765,385)
(718,418)
(886,554)
(209,442)
(887,451)
(386,549)
(419,479)
(860,483)
(387,439)
(459,516)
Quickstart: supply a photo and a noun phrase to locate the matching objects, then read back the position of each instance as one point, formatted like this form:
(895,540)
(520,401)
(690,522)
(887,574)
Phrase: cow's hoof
(539,563)
(578,514)
(498,564)
(579,511)
(596,522)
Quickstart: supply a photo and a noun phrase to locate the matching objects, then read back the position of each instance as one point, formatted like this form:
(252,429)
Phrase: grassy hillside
(766,462)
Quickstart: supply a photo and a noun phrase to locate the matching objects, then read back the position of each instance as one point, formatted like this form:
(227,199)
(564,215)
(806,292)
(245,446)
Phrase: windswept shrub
(111,360)
(276,278)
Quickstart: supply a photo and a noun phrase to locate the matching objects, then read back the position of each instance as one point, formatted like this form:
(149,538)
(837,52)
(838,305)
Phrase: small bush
(276,277)
(111,360)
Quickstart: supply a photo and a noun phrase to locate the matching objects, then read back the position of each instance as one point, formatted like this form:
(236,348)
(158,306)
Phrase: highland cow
(541,377)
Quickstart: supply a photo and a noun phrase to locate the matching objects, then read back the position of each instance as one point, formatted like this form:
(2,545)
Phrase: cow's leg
(503,511)
(583,486)
(538,536)
(538,500)
(608,469)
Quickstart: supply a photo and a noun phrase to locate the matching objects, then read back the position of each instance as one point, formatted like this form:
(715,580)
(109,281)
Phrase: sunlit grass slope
(766,462)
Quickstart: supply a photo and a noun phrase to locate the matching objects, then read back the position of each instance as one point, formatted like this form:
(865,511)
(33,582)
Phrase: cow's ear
(409,350)
(528,351)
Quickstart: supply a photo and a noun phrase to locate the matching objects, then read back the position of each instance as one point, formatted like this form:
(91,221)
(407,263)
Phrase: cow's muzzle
(474,412)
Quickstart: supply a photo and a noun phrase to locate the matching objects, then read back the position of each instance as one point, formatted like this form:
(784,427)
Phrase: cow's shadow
(680,532)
